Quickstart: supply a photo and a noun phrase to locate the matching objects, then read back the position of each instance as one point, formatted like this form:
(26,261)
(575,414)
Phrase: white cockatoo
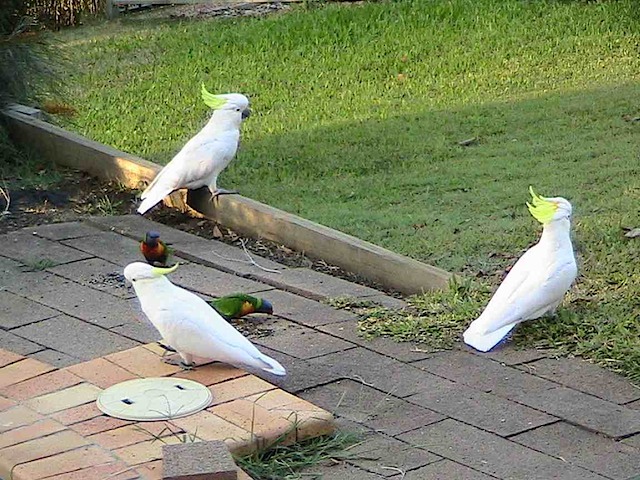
(204,157)
(189,325)
(537,282)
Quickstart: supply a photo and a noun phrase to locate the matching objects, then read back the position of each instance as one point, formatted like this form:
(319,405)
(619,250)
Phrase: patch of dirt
(79,196)
(210,10)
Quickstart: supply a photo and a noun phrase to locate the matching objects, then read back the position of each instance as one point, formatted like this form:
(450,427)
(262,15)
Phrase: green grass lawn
(358,111)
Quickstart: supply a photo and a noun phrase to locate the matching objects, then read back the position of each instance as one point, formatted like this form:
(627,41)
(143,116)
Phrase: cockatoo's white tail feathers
(485,342)
(151,196)
(272,366)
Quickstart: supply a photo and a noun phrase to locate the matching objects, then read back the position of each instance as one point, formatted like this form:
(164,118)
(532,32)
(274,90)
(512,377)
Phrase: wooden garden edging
(238,213)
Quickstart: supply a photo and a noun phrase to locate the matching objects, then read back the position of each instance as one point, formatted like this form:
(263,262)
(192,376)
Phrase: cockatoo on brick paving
(189,325)
(204,157)
(537,282)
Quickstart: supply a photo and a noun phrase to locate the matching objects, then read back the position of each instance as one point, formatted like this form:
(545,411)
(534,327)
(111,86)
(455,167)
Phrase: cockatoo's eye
(237,109)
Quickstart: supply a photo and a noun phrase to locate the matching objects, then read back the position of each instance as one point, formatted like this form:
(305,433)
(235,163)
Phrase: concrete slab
(445,470)
(75,337)
(212,282)
(18,344)
(586,377)
(585,410)
(482,410)
(140,330)
(122,250)
(492,454)
(210,460)
(583,448)
(341,471)
(297,340)
(305,311)
(55,358)
(18,311)
(64,231)
(98,274)
(362,404)
(29,249)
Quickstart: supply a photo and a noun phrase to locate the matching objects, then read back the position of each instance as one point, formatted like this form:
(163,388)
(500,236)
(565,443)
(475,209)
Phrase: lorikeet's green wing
(239,304)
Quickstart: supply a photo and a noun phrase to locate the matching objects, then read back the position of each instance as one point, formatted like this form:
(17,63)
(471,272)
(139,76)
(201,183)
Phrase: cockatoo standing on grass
(537,282)
(189,325)
(202,159)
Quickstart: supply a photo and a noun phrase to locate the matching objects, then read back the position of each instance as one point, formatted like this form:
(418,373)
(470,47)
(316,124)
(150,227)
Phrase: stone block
(122,250)
(445,470)
(18,311)
(585,410)
(383,373)
(483,374)
(198,461)
(212,282)
(341,471)
(98,274)
(17,343)
(583,448)
(403,351)
(305,311)
(387,456)
(75,337)
(492,454)
(27,248)
(139,329)
(508,354)
(365,405)
(55,358)
(64,231)
(580,375)
(297,340)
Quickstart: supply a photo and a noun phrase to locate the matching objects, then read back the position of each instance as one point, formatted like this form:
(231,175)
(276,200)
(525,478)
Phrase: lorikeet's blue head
(151,238)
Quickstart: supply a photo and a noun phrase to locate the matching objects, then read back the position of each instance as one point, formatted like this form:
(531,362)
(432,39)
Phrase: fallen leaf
(468,142)
(216,232)
(633,233)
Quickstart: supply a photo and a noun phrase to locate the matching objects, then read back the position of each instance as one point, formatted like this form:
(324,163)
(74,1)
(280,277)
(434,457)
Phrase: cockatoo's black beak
(246,113)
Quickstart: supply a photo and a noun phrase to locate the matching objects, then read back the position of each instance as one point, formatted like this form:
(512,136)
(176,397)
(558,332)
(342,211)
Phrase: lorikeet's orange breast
(246,309)
(155,253)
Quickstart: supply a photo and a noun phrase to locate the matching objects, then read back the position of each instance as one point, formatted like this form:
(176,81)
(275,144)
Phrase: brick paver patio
(74,328)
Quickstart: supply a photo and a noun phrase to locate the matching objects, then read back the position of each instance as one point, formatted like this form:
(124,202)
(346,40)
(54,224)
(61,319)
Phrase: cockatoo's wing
(532,287)
(192,326)
(192,167)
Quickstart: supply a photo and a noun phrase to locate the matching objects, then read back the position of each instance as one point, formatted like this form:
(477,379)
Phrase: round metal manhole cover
(149,399)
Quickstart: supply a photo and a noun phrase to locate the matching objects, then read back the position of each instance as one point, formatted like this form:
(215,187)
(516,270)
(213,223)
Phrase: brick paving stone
(483,374)
(480,409)
(40,385)
(386,301)
(98,274)
(301,374)
(99,424)
(251,417)
(17,416)
(144,452)
(633,405)
(305,311)
(634,441)
(151,470)
(212,282)
(28,248)
(18,344)
(142,362)
(211,373)
(130,434)
(22,370)
(18,311)
(75,337)
(383,373)
(106,471)
(64,399)
(77,414)
(35,430)
(55,358)
(508,354)
(403,351)
(384,456)
(7,357)
(55,466)
(445,470)
(64,231)
(585,449)
(121,250)
(585,410)
(589,378)
(491,454)
(359,403)
(38,448)
(6,403)
(342,471)
(314,284)
(238,388)
(208,426)
(101,372)
(298,341)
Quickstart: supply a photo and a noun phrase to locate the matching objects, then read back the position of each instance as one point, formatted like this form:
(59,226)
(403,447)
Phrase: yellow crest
(163,270)
(211,100)
(541,208)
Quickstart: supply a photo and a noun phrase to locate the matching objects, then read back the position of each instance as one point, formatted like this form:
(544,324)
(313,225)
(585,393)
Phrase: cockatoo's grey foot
(222,191)
(183,361)
(167,348)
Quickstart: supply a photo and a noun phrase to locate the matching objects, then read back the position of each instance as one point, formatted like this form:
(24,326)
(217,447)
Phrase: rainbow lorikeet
(155,251)
(239,304)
